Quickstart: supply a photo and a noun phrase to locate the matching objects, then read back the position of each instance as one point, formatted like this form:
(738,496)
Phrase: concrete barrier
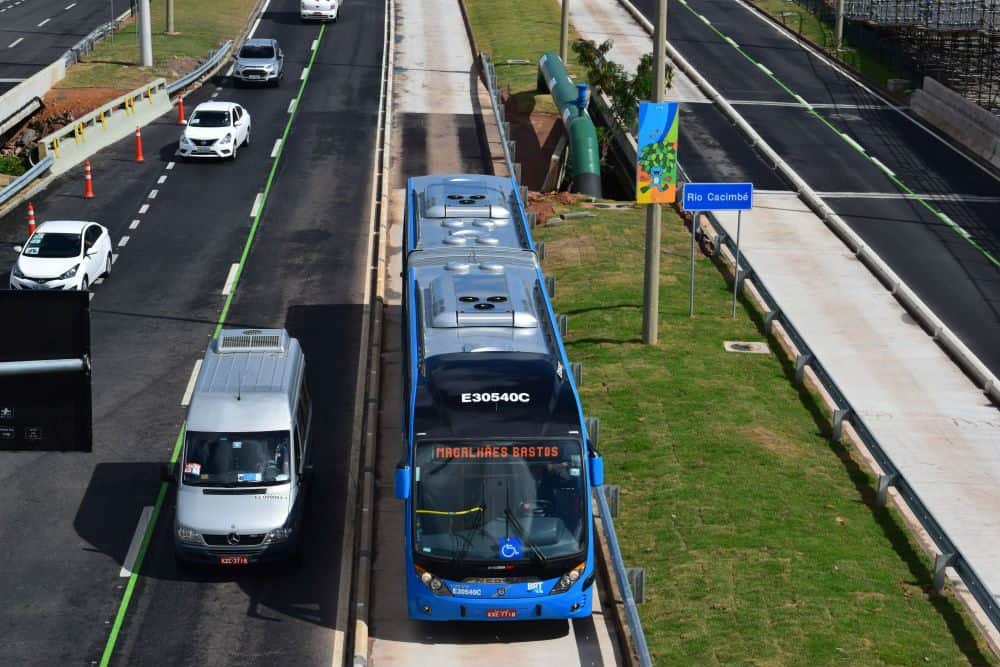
(105,125)
(37,85)
(960,118)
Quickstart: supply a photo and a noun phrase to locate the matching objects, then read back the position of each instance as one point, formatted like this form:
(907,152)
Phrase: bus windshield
(236,459)
(499,501)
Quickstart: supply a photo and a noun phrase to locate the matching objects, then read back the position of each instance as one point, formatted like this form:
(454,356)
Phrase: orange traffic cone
(180,110)
(138,146)
(88,185)
(31,219)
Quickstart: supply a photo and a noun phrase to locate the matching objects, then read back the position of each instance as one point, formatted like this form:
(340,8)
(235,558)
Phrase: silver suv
(260,60)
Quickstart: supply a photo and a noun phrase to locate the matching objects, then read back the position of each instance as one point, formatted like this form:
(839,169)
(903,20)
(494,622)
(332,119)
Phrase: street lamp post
(651,278)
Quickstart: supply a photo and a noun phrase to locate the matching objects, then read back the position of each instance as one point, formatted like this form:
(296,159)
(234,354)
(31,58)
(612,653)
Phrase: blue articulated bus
(497,469)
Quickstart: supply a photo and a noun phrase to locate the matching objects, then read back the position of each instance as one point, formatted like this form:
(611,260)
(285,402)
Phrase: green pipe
(583,147)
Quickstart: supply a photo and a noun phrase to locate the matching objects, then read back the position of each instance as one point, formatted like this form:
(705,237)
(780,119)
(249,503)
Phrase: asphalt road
(958,281)
(68,519)
(36,33)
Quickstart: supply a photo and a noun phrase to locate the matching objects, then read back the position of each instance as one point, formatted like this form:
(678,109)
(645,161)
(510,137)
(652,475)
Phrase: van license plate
(501,613)
(234,560)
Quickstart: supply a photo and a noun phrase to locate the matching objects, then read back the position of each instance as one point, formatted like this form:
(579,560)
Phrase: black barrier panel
(46,411)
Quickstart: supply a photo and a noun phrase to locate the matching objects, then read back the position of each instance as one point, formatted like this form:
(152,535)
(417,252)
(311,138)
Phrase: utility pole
(651,281)
(839,25)
(145,35)
(170,17)
(564,32)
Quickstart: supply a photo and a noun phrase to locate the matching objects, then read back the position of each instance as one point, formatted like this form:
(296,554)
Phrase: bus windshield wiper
(524,535)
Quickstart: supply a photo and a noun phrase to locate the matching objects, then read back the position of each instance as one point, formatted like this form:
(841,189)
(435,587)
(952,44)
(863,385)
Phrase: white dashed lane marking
(122,242)
(43,22)
(143,208)
(277,147)
(170,165)
(256,205)
(162,179)
(133,547)
(153,193)
(186,399)
(228,287)
(135,223)
(15,42)
(291,106)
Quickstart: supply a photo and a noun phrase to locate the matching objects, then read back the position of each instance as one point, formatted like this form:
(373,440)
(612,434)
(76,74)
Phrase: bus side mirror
(167,473)
(596,470)
(402,481)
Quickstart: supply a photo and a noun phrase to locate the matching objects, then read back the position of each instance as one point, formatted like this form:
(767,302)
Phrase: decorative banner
(656,167)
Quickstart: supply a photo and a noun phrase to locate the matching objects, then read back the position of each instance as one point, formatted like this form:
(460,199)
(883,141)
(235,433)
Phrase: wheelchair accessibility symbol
(510,548)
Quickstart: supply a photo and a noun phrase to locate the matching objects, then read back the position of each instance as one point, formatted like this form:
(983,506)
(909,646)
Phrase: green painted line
(109,647)
(895,179)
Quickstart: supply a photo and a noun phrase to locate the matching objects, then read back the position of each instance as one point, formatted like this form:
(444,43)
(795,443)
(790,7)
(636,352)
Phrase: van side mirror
(596,470)
(167,473)
(18,249)
(402,481)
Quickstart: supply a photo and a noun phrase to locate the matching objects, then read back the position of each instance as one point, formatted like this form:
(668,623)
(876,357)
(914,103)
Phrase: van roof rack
(232,341)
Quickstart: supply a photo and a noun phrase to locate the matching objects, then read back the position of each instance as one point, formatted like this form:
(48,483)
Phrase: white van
(242,474)
(319,10)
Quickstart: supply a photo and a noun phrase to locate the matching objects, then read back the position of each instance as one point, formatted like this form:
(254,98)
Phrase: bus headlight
(189,535)
(435,584)
(568,579)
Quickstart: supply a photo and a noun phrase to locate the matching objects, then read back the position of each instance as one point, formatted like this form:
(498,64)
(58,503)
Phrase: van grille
(245,540)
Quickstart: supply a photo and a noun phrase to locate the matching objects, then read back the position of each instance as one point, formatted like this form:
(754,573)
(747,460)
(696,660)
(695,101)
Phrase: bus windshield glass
(236,459)
(499,501)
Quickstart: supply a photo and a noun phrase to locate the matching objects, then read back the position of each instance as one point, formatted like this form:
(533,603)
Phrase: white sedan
(62,255)
(215,129)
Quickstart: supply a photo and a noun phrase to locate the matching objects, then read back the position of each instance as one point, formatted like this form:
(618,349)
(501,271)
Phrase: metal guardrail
(618,564)
(844,412)
(190,77)
(19,183)
(86,45)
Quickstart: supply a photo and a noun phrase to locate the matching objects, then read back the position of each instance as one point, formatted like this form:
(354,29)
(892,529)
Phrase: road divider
(133,547)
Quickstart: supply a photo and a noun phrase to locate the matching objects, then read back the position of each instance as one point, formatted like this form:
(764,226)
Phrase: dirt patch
(549,204)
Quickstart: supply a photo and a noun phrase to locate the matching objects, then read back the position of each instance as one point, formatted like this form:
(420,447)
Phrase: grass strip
(199,30)
(759,536)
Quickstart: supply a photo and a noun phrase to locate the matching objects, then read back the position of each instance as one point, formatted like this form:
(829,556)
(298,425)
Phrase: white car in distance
(62,255)
(215,129)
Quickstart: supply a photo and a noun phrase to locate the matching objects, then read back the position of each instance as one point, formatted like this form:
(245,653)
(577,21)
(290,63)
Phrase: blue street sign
(717,197)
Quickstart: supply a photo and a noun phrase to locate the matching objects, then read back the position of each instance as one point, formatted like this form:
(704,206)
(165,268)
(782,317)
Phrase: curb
(365,446)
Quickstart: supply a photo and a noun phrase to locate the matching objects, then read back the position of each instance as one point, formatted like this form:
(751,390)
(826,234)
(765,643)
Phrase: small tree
(624,91)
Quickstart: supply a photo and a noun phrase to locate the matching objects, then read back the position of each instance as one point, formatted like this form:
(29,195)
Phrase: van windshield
(236,459)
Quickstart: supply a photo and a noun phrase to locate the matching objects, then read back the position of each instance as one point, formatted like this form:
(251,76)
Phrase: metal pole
(694,226)
(146,34)
(651,278)
(170,17)
(840,24)
(736,274)
(564,32)
(44,366)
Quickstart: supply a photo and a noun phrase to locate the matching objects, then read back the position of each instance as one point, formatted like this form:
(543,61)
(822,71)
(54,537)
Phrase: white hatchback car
(62,255)
(319,10)
(215,129)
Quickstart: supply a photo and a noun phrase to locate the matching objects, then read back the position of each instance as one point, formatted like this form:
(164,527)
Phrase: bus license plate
(501,613)
(234,560)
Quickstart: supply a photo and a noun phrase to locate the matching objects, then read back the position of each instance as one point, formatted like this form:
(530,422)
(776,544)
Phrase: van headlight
(189,535)
(568,579)
(70,273)
(278,535)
